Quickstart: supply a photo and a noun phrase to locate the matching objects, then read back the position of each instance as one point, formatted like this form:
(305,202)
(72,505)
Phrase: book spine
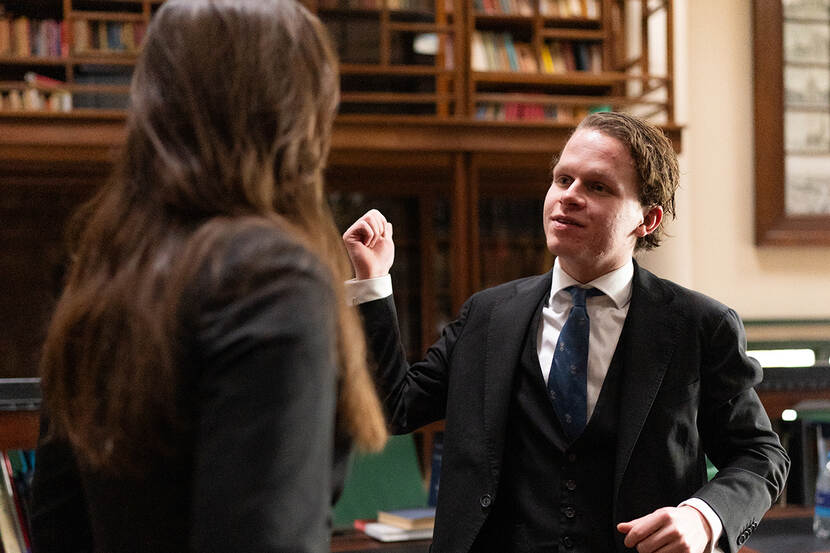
(5,36)
(10,532)
(513,62)
(17,487)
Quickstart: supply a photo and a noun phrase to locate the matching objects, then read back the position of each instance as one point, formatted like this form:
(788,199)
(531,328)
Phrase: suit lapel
(649,338)
(506,334)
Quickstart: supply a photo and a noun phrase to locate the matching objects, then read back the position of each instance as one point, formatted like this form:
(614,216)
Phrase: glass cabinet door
(421,271)
(510,240)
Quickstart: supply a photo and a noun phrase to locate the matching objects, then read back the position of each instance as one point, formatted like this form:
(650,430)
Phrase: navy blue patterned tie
(568,379)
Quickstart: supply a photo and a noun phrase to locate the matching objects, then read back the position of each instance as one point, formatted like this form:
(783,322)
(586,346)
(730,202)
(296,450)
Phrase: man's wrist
(359,291)
(711,522)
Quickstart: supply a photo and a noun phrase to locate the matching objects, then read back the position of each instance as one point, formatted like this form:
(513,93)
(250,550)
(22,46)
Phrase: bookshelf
(556,60)
(492,60)
(407,138)
(69,55)
(397,56)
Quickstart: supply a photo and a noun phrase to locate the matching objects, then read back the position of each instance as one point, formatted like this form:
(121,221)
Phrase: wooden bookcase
(464,191)
(70,55)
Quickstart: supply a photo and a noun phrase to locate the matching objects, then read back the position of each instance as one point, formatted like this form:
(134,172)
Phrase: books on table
(401,525)
(409,519)
(387,532)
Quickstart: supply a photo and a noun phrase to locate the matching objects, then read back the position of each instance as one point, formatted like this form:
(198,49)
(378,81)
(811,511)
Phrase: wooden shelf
(572,34)
(92,135)
(32,60)
(372,69)
(571,21)
(508,20)
(150,2)
(569,79)
(97,58)
(19,429)
(108,16)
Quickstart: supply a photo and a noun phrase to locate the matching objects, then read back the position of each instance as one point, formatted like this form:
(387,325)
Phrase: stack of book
(400,525)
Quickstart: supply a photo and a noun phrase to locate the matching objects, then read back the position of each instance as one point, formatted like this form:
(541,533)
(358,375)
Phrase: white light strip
(784,357)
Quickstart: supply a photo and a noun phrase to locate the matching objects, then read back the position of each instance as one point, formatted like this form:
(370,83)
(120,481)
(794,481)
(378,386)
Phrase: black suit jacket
(687,391)
(253,468)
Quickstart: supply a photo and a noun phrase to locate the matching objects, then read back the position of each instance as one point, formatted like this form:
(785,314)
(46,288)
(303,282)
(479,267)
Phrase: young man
(580,404)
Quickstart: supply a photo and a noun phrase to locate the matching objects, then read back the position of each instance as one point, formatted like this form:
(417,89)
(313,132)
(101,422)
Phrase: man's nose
(573,193)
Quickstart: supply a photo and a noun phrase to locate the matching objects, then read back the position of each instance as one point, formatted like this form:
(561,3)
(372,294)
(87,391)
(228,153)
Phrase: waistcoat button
(567,542)
(570,484)
(486,500)
(569,512)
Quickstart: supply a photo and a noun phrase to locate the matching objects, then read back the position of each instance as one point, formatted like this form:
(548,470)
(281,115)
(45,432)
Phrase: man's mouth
(566,221)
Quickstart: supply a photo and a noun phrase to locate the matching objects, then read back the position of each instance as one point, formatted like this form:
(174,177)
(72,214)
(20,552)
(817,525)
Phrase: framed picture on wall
(792,121)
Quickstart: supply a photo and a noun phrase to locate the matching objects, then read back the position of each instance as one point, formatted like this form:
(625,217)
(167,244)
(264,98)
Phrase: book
(20,37)
(547,59)
(478,53)
(5,35)
(18,490)
(11,533)
(47,82)
(409,519)
(360,523)
(388,533)
(436,460)
(527,61)
(512,59)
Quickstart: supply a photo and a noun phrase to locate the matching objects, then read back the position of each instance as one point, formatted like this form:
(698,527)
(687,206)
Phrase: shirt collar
(617,284)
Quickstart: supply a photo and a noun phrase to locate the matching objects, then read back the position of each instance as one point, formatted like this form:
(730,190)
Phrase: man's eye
(562,180)
(598,187)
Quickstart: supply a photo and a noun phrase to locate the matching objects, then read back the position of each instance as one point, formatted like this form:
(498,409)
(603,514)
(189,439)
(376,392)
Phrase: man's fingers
(667,530)
(377,222)
(361,231)
(655,541)
(625,527)
(640,528)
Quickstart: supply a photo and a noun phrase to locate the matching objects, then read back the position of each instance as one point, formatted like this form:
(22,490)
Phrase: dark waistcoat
(554,496)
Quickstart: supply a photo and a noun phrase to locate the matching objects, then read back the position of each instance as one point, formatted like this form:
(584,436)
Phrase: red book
(360,523)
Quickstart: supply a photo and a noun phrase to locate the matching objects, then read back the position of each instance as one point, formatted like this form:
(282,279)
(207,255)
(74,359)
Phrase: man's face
(593,215)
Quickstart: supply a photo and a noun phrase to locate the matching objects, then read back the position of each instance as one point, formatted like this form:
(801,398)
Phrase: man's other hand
(668,530)
(369,244)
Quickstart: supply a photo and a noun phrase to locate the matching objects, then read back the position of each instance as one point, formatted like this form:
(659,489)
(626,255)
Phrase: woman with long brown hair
(201,349)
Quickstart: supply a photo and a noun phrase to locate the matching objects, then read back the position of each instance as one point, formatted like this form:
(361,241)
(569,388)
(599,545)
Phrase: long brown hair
(231,109)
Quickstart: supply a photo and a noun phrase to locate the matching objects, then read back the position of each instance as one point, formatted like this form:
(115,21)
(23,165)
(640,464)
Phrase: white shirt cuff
(712,518)
(370,289)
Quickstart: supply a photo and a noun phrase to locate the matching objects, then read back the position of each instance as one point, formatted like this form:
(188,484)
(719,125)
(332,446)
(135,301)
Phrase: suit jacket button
(486,500)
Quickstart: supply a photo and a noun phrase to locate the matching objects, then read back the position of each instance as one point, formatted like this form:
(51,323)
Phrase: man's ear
(652,217)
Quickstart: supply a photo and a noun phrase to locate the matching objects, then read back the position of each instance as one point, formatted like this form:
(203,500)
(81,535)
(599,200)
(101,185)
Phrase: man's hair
(654,158)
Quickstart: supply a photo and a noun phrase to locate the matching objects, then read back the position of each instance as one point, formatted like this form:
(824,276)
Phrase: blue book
(114,36)
(409,519)
(511,51)
(435,468)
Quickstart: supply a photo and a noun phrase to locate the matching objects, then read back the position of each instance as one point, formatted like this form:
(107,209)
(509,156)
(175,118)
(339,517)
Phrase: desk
(352,541)
(776,535)
(785,535)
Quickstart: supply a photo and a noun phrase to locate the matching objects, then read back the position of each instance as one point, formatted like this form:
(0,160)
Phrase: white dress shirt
(607,314)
